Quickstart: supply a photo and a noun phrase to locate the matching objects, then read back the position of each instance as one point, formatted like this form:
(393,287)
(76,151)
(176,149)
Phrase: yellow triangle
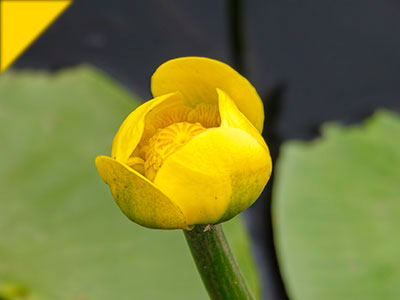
(21,22)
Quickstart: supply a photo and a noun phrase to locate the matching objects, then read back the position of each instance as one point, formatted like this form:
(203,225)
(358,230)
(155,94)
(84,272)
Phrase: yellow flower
(194,153)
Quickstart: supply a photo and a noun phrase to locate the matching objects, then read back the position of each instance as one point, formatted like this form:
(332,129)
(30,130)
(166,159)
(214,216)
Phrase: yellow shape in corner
(21,23)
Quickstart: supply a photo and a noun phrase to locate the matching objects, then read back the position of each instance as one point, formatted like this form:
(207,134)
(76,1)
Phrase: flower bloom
(193,154)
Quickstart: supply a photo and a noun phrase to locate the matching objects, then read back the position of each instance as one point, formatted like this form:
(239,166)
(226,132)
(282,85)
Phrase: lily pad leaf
(337,212)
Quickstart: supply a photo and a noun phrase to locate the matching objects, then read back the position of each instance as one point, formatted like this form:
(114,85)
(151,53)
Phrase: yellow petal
(138,198)
(216,175)
(131,130)
(232,117)
(197,79)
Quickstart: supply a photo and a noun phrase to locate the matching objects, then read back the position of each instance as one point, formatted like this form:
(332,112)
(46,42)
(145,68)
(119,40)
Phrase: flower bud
(193,154)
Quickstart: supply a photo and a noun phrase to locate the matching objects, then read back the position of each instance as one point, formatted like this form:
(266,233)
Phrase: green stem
(216,264)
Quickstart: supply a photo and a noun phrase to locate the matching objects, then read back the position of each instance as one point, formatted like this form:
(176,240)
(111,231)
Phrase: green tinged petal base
(138,198)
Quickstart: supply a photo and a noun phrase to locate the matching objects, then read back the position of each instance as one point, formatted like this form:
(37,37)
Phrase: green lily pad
(62,237)
(337,212)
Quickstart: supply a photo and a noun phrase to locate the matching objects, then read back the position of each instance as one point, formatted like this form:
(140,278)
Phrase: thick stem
(215,263)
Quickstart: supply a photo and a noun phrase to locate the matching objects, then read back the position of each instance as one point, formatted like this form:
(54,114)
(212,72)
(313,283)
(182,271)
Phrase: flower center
(162,144)
(169,132)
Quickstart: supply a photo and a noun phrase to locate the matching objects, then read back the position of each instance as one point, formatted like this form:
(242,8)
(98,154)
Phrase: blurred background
(311,61)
